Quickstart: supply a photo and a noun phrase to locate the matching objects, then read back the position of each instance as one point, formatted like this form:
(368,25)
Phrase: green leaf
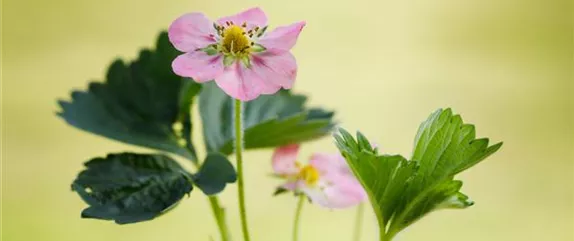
(142,103)
(384,177)
(430,199)
(269,121)
(444,146)
(402,191)
(214,174)
(129,188)
(456,201)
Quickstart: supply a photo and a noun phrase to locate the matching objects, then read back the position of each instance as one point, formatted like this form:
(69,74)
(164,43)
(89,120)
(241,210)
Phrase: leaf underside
(269,121)
(402,191)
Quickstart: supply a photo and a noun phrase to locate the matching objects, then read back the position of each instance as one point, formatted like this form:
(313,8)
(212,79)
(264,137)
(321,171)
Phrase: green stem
(386,236)
(359,222)
(297,217)
(217,210)
(382,231)
(390,235)
(219,214)
(239,159)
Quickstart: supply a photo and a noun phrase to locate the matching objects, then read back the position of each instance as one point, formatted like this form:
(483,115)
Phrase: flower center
(309,174)
(235,40)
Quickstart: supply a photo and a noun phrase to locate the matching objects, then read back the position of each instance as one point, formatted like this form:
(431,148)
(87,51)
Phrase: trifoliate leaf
(142,103)
(269,121)
(401,192)
(129,188)
(215,173)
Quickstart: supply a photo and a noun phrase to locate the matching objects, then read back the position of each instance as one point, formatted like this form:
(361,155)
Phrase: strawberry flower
(238,52)
(326,180)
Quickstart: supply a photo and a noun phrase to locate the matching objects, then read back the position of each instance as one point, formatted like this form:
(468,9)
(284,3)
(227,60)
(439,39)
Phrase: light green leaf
(384,177)
(269,121)
(444,146)
(401,192)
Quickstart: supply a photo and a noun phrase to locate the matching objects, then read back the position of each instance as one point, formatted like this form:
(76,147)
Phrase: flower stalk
(238,110)
(298,217)
(359,222)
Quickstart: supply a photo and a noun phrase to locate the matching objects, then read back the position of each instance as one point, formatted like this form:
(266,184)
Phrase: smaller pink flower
(238,52)
(326,180)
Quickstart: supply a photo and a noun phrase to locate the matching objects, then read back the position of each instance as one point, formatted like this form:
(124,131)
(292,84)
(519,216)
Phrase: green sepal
(246,61)
(228,60)
(211,50)
(261,31)
(257,48)
(279,191)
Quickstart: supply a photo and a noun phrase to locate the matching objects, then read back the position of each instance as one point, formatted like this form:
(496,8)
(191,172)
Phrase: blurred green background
(384,65)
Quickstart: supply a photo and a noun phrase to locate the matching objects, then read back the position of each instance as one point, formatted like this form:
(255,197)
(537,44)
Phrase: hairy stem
(239,158)
(297,217)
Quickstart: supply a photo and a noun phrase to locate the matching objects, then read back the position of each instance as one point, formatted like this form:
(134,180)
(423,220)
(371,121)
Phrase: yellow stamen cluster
(235,40)
(310,174)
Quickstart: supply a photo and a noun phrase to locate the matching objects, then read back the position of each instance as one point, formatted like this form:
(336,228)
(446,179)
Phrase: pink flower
(237,52)
(326,180)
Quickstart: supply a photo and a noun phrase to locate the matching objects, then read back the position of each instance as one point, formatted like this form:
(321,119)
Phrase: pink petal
(253,17)
(331,167)
(275,68)
(282,38)
(266,87)
(198,65)
(284,158)
(191,31)
(291,185)
(241,83)
(341,189)
(338,196)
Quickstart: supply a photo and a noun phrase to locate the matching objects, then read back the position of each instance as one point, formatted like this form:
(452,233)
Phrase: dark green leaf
(139,103)
(215,172)
(269,121)
(129,188)
(402,191)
